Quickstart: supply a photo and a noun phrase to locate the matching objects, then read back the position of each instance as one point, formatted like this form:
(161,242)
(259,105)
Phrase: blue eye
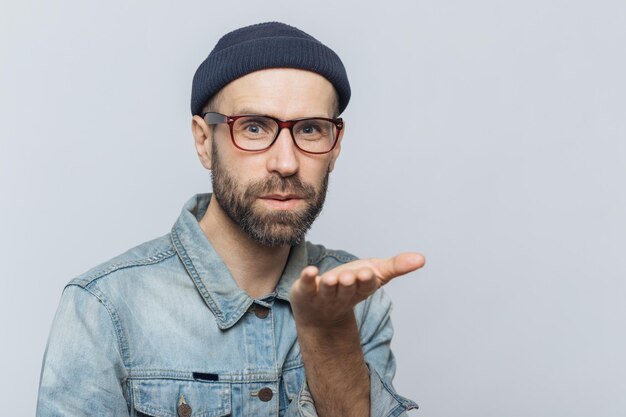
(253,126)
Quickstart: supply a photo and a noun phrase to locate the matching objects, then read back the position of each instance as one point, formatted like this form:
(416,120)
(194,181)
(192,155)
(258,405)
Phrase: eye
(252,128)
(309,129)
(313,129)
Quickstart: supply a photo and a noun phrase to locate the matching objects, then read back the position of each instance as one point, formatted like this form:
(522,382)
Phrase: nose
(283,155)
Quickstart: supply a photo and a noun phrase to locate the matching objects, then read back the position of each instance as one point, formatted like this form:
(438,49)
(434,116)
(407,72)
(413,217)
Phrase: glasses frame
(213,118)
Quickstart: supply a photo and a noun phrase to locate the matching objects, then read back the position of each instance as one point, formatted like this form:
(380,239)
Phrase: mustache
(277,184)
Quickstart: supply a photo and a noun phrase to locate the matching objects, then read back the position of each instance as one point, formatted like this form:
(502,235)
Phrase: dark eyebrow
(249,110)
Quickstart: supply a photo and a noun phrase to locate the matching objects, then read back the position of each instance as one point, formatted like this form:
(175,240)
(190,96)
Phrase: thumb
(308,284)
(398,265)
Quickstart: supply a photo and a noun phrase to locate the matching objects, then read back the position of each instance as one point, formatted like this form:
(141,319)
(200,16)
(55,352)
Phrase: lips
(281,197)
(281,202)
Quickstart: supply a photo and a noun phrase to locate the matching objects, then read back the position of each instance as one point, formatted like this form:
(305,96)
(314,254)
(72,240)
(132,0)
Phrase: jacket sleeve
(82,367)
(376,330)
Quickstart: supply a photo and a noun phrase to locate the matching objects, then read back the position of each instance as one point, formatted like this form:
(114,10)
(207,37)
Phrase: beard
(269,228)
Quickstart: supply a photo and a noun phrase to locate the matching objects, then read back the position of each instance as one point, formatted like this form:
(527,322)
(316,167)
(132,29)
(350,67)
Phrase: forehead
(285,93)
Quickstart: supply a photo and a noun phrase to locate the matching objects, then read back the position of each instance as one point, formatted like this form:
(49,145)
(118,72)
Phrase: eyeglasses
(251,132)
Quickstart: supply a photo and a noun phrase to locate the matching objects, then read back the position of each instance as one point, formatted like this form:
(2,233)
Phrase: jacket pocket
(162,397)
(293,380)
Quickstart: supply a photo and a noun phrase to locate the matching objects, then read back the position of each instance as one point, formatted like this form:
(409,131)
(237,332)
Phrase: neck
(256,268)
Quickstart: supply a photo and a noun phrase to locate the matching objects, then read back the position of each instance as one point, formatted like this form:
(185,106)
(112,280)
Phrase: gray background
(488,135)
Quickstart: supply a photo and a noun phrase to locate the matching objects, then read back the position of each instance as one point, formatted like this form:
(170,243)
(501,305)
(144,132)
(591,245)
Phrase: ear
(334,154)
(202,134)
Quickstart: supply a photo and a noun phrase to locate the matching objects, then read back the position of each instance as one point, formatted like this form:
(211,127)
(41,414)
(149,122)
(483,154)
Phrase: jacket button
(261,312)
(265,394)
(184,410)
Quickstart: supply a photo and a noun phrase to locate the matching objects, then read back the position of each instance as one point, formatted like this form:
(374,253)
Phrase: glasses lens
(254,132)
(315,135)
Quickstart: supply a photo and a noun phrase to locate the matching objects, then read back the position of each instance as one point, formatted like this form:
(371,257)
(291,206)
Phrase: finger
(398,265)
(367,282)
(347,286)
(308,284)
(328,285)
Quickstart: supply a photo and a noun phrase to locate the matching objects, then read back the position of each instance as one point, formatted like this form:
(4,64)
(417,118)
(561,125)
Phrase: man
(233,313)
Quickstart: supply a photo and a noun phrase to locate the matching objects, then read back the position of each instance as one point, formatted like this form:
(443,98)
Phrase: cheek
(314,173)
(249,170)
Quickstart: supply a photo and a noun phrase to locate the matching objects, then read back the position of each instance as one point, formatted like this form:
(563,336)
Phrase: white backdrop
(488,135)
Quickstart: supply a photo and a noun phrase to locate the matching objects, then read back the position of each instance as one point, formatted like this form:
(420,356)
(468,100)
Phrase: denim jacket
(163,330)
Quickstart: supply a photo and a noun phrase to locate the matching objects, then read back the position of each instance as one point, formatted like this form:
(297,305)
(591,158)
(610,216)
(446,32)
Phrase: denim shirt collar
(210,275)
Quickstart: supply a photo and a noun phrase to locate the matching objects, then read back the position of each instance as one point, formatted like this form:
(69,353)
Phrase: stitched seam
(332,254)
(187,374)
(191,270)
(404,403)
(293,364)
(302,398)
(401,408)
(122,344)
(90,279)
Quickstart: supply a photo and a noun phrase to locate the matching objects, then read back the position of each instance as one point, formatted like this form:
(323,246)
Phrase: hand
(328,300)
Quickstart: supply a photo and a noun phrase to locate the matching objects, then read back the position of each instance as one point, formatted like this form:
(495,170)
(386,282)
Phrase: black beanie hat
(261,46)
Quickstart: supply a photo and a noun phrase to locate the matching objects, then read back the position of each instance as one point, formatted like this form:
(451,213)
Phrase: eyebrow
(250,110)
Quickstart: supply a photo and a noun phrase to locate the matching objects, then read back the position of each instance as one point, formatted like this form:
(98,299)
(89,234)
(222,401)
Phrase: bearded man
(233,313)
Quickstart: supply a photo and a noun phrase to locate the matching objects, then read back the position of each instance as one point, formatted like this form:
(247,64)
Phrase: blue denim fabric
(165,324)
